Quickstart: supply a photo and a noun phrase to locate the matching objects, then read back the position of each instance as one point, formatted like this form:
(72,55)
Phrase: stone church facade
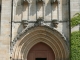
(34,30)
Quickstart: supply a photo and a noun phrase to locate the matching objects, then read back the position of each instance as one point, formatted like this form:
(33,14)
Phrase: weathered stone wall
(32,12)
(5,30)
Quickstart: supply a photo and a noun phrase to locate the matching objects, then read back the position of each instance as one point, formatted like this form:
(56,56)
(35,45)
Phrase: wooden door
(41,51)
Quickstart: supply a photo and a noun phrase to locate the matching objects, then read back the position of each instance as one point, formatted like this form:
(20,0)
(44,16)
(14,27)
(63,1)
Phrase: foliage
(75,20)
(75,45)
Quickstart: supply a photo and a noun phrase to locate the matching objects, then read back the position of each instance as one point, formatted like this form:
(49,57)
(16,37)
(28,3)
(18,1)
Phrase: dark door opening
(41,59)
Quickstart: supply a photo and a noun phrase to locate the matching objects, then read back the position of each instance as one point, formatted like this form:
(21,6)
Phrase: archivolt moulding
(41,34)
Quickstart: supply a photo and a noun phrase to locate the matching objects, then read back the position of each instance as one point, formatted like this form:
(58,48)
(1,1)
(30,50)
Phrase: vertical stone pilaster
(5,30)
(65,17)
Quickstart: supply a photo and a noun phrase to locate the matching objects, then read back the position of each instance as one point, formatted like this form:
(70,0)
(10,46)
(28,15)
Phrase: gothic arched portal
(44,34)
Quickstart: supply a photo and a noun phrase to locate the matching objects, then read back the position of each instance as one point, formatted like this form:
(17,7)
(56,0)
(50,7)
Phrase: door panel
(40,54)
(41,51)
(31,56)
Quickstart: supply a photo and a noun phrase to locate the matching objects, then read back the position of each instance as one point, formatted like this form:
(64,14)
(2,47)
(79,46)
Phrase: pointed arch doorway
(41,51)
(51,40)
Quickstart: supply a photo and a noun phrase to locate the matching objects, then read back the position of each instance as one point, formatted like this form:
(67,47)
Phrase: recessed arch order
(43,34)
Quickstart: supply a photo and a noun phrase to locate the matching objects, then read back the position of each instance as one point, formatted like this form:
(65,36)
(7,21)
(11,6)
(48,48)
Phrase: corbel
(54,23)
(24,23)
(39,22)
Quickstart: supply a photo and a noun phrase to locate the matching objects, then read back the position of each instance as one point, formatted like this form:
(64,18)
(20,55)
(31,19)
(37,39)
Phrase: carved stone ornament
(54,23)
(39,22)
(25,23)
